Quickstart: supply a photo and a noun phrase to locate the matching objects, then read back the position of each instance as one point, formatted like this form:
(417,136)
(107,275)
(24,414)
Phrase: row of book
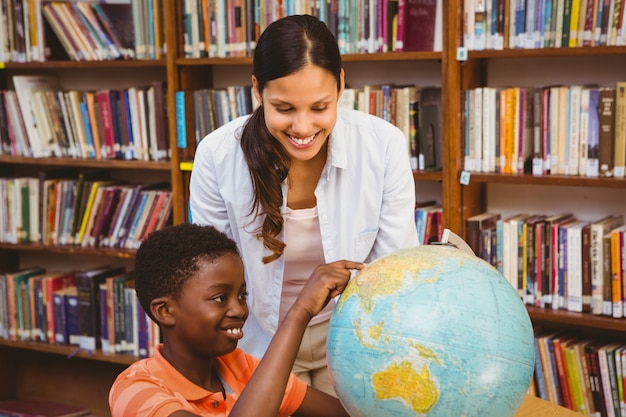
(567,130)
(224,28)
(86,32)
(428,221)
(205,110)
(40,119)
(582,374)
(415,110)
(92,309)
(83,211)
(556,261)
(502,24)
(81,31)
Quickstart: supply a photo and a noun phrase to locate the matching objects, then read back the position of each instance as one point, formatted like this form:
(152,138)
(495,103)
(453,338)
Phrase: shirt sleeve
(397,219)
(142,396)
(294,395)
(206,206)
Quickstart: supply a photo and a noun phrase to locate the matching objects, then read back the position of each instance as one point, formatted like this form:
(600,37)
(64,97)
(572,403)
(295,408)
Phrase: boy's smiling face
(212,308)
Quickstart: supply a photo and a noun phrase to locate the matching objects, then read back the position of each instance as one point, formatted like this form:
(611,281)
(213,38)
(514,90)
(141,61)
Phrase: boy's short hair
(167,258)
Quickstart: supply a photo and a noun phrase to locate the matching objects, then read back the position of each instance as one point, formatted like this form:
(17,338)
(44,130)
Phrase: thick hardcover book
(599,230)
(619,149)
(606,111)
(160,110)
(40,408)
(474,226)
(15,302)
(88,286)
(103,98)
(50,283)
(66,328)
(25,87)
(420,17)
(430,139)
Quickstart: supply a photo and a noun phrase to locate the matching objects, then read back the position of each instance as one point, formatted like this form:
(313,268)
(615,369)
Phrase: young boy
(190,280)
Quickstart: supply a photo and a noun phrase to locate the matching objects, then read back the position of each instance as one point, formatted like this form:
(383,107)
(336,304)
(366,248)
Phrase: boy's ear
(160,308)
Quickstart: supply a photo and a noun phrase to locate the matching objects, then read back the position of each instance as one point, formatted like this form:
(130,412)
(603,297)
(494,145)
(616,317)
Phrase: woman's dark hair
(284,47)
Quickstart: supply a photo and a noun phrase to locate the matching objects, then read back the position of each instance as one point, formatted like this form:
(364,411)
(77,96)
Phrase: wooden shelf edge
(88,163)
(69,351)
(112,64)
(365,57)
(572,320)
(563,180)
(68,249)
(428,175)
(548,52)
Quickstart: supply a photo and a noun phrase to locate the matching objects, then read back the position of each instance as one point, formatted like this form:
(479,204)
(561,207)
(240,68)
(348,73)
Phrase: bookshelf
(588,198)
(44,370)
(63,373)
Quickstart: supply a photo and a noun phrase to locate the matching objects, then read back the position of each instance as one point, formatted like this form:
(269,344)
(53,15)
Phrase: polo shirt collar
(161,368)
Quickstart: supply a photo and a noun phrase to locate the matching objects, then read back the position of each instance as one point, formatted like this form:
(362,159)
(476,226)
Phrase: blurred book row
(583,375)
(415,110)
(557,261)
(81,31)
(84,210)
(502,24)
(40,119)
(225,29)
(92,309)
(566,130)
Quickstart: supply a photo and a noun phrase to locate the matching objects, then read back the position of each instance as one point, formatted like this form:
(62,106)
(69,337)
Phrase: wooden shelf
(67,249)
(374,57)
(584,322)
(549,52)
(562,180)
(158,63)
(87,163)
(428,175)
(70,351)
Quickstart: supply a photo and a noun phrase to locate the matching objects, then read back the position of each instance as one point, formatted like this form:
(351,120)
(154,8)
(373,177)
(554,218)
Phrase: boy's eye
(219,298)
(243,295)
(320,109)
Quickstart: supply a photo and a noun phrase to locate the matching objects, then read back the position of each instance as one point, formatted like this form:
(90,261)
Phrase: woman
(301,182)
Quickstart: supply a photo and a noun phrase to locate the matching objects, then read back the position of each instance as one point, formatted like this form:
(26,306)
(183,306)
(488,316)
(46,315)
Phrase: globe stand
(448,237)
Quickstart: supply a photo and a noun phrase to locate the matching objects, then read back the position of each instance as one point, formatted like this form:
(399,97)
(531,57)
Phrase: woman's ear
(162,311)
(255,91)
(342,83)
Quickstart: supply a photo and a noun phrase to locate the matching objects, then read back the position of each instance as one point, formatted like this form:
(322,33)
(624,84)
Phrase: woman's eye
(283,110)
(319,110)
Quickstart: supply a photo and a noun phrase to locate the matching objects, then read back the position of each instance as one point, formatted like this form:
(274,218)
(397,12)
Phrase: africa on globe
(430,331)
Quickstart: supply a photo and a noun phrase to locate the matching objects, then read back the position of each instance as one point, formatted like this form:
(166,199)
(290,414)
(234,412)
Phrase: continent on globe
(430,331)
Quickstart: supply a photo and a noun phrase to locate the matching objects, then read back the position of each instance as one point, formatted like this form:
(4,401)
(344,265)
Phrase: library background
(515,119)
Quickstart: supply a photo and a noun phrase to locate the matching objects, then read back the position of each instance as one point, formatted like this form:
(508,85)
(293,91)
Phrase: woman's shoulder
(358,125)
(225,137)
(359,120)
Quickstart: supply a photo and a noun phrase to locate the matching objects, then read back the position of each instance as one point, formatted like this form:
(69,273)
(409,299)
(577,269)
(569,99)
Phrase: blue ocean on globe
(430,331)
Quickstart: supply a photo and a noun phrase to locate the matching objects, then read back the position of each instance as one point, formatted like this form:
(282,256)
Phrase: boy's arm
(265,390)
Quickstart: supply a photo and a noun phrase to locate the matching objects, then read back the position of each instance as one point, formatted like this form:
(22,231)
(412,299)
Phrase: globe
(430,331)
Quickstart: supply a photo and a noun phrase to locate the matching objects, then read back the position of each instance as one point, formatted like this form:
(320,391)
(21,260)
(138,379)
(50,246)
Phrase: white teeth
(233,331)
(304,141)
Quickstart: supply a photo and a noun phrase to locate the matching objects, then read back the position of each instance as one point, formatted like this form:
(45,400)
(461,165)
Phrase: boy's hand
(327,281)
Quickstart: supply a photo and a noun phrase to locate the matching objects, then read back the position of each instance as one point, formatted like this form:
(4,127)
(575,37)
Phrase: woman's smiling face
(301,109)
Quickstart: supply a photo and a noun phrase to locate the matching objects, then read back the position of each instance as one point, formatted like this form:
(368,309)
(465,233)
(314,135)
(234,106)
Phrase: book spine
(617,238)
(60,319)
(606,109)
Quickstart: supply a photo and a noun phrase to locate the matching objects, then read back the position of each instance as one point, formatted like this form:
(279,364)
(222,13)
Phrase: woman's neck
(302,180)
